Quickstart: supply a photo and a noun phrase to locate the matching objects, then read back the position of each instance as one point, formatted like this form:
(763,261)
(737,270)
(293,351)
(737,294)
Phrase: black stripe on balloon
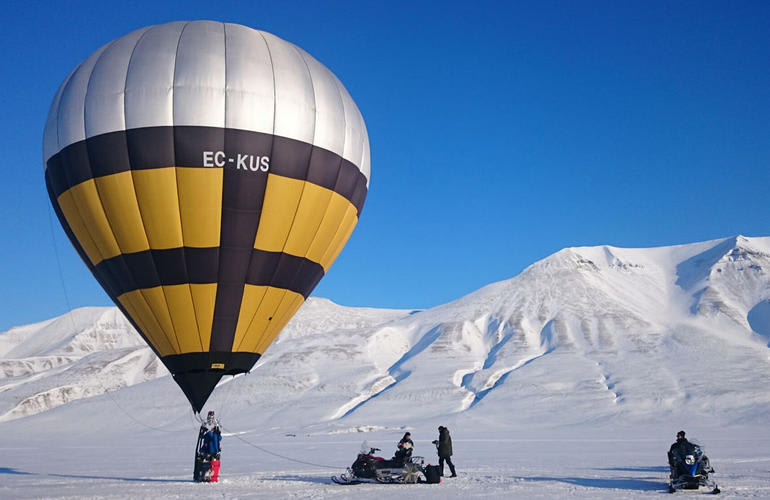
(184,146)
(243,193)
(234,362)
(282,270)
(293,273)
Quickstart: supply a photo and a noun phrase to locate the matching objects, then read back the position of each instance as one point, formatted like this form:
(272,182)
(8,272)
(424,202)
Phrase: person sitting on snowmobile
(405,447)
(681,448)
(679,452)
(690,467)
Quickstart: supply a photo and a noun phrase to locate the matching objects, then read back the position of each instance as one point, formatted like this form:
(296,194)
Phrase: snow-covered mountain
(589,334)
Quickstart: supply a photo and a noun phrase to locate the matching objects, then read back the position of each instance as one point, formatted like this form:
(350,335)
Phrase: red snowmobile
(402,468)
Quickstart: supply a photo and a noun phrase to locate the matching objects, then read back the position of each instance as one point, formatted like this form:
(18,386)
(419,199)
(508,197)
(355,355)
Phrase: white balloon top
(210,74)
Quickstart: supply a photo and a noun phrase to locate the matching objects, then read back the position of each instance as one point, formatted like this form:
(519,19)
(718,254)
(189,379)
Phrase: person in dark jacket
(444,447)
(405,447)
(680,449)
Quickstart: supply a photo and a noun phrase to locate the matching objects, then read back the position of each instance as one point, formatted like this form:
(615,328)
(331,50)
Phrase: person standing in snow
(444,448)
(211,448)
(208,451)
(209,438)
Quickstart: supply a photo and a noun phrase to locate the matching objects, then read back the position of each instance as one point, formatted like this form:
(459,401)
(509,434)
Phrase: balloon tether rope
(290,459)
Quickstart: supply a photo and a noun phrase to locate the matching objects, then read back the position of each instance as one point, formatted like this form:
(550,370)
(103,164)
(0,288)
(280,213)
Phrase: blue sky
(500,133)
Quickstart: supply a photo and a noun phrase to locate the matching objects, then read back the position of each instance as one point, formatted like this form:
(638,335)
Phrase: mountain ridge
(608,332)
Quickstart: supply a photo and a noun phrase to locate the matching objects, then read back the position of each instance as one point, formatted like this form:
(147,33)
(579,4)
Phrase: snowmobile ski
(344,480)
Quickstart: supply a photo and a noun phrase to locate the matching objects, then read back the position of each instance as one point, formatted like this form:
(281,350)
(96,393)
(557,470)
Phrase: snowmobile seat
(389,464)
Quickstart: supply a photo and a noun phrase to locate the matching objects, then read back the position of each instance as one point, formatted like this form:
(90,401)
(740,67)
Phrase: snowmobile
(402,468)
(691,471)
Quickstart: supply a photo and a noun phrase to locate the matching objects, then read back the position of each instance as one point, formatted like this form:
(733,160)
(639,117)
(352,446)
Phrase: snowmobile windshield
(365,448)
(697,448)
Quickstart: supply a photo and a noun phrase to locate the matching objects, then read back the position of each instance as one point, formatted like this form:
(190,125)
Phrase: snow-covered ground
(569,379)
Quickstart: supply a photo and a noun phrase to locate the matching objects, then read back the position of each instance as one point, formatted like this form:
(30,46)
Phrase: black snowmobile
(402,468)
(690,470)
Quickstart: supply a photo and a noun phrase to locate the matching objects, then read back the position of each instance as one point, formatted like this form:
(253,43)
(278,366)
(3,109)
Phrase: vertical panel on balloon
(278,211)
(118,198)
(294,98)
(182,311)
(252,298)
(250,96)
(156,192)
(329,128)
(354,128)
(200,205)
(156,301)
(200,209)
(204,297)
(261,321)
(312,207)
(71,113)
(51,128)
(199,76)
(65,225)
(344,231)
(325,170)
(140,311)
(366,162)
(289,305)
(78,225)
(104,104)
(150,76)
(86,200)
(325,236)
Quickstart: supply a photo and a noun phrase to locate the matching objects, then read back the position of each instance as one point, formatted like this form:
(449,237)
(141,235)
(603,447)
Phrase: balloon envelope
(208,174)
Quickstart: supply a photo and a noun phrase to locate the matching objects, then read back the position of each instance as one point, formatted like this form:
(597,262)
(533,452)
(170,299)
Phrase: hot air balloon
(208,174)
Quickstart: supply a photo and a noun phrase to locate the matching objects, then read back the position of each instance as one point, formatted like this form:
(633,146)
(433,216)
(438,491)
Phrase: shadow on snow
(8,470)
(299,478)
(614,483)
(653,468)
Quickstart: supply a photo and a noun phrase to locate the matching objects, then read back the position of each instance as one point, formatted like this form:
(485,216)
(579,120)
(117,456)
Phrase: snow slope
(589,341)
